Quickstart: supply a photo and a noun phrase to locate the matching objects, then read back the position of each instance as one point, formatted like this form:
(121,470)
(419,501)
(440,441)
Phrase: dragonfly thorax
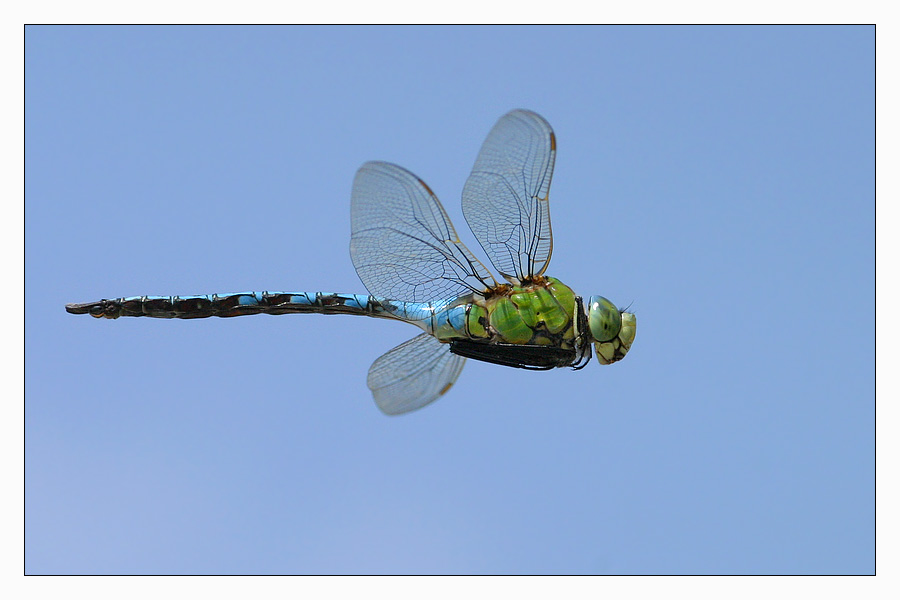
(537,312)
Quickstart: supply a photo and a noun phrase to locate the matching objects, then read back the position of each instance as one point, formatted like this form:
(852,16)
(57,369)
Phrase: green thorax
(541,312)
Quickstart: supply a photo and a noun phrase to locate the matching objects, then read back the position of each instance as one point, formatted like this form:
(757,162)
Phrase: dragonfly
(416,270)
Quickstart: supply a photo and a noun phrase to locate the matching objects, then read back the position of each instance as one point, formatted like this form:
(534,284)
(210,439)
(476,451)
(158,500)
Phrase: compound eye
(604,319)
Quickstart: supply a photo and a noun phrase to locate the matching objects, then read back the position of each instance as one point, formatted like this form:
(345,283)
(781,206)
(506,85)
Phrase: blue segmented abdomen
(446,320)
(247,303)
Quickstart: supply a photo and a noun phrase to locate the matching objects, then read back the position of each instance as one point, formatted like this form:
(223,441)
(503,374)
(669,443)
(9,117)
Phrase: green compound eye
(604,319)
(615,350)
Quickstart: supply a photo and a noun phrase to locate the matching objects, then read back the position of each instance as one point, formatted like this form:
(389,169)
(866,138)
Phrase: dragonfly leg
(521,356)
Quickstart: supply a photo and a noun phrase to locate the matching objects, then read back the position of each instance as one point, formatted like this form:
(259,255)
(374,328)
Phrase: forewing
(505,199)
(415,373)
(402,242)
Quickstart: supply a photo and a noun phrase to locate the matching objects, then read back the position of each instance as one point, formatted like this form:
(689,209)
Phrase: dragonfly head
(612,330)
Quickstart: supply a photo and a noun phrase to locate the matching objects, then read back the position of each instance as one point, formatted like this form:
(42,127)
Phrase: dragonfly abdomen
(238,304)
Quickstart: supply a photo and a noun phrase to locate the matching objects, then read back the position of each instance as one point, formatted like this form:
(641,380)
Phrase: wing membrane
(402,242)
(505,199)
(415,373)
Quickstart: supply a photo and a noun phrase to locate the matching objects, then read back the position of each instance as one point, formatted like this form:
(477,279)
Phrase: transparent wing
(402,242)
(505,199)
(415,373)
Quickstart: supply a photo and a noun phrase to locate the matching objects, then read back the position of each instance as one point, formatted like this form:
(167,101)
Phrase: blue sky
(720,179)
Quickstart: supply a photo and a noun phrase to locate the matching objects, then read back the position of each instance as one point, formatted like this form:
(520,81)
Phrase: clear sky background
(719,179)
